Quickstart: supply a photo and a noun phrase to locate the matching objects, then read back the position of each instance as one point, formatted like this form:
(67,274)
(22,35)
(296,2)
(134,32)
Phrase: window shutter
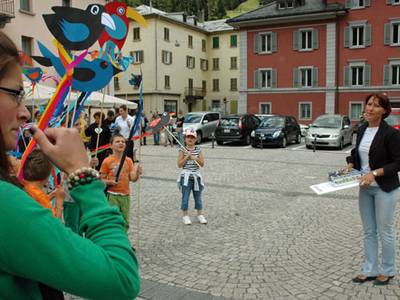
(348,4)
(315,38)
(367,34)
(367,3)
(257,74)
(367,75)
(296,40)
(257,43)
(296,77)
(315,77)
(274,39)
(387,34)
(347,37)
(386,75)
(388,1)
(273,78)
(346,76)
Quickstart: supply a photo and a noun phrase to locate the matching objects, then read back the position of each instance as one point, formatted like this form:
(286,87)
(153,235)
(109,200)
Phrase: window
(215,63)
(167,82)
(203,64)
(265,42)
(393,2)
(306,40)
(215,42)
(233,41)
(66,3)
(190,41)
(138,56)
(234,84)
(203,45)
(190,83)
(356,4)
(136,33)
(357,76)
(166,57)
(266,77)
(234,62)
(215,85)
(215,105)
(116,84)
(166,34)
(356,109)
(190,62)
(289,4)
(357,33)
(26,43)
(171,106)
(25,5)
(265,108)
(306,77)
(204,85)
(395,74)
(305,111)
(395,34)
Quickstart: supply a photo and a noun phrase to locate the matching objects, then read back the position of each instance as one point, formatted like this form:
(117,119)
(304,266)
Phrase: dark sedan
(236,128)
(276,131)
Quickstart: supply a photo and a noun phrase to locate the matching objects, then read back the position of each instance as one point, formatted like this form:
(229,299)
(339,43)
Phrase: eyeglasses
(18,94)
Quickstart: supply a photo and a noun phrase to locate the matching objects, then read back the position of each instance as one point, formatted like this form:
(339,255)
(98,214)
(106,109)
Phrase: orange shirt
(41,197)
(110,166)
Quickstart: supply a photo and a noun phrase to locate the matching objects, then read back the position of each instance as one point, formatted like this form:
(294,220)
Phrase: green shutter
(367,35)
(367,75)
(367,3)
(296,40)
(389,2)
(257,79)
(315,77)
(348,4)
(257,43)
(386,75)
(296,77)
(233,40)
(315,37)
(274,40)
(273,78)
(346,76)
(347,37)
(388,38)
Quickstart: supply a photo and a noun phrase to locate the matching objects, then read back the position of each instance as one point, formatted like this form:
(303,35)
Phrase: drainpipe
(155,54)
(338,37)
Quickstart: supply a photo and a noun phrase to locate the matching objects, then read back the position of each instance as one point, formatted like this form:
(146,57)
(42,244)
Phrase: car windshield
(328,122)
(272,122)
(393,119)
(193,118)
(230,122)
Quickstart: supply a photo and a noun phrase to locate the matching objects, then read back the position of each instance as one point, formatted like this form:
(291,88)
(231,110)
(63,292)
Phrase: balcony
(6,12)
(194,93)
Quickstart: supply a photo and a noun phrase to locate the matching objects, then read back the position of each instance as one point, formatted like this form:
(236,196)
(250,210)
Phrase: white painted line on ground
(298,147)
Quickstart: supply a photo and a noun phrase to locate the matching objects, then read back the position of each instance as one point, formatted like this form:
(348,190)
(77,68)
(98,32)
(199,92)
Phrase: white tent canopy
(42,94)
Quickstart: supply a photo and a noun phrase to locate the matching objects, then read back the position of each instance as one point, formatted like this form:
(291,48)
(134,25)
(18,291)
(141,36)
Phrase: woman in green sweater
(37,253)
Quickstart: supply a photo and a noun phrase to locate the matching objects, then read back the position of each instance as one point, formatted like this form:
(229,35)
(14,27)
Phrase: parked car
(394,119)
(236,128)
(303,129)
(330,131)
(263,116)
(204,123)
(276,130)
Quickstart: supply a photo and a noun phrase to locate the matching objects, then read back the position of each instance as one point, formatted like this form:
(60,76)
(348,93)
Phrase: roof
(217,25)
(270,12)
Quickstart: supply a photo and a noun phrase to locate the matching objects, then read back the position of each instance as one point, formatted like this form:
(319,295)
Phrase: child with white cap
(190,159)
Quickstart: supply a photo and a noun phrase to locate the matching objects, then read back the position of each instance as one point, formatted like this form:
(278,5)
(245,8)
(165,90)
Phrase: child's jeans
(186,194)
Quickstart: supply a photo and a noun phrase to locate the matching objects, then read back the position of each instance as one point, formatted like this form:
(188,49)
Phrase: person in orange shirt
(118,193)
(37,170)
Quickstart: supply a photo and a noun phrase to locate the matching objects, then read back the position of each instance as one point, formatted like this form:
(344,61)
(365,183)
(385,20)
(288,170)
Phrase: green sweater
(36,247)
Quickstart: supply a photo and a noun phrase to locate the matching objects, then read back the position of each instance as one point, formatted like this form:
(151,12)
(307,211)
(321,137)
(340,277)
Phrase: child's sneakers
(186,220)
(202,219)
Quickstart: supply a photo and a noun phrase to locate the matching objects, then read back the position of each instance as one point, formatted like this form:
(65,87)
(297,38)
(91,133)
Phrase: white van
(203,122)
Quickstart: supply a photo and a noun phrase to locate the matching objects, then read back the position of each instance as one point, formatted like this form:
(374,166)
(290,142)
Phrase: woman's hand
(367,179)
(64,147)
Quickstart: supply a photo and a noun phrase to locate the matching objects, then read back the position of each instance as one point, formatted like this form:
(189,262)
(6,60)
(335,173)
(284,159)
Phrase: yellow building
(186,65)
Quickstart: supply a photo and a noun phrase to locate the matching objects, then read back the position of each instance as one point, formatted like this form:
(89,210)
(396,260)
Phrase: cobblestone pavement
(269,236)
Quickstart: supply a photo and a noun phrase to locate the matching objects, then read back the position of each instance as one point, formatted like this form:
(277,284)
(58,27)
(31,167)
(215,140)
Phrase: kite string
(100,123)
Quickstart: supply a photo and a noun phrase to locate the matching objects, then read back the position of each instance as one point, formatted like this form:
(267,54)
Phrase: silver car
(204,123)
(330,131)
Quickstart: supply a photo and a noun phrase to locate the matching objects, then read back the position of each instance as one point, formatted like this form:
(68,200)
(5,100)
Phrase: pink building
(309,57)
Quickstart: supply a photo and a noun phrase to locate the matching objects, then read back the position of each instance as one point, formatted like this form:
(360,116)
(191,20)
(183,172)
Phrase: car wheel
(254,145)
(199,137)
(220,142)
(308,146)
(341,144)
(298,138)
(284,142)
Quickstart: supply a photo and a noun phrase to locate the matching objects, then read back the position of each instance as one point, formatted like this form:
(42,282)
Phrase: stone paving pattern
(269,236)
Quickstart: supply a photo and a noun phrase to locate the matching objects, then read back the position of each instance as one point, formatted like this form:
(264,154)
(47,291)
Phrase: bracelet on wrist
(82,176)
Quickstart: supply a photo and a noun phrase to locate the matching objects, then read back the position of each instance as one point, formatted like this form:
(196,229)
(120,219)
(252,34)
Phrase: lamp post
(225,106)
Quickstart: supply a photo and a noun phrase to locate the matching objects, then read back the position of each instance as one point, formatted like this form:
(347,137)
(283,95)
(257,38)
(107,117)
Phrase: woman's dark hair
(383,101)
(9,57)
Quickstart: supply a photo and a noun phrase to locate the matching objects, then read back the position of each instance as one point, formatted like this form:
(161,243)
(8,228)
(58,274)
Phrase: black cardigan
(383,153)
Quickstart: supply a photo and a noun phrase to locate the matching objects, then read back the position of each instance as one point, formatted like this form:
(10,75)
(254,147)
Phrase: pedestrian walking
(145,121)
(156,135)
(179,126)
(190,159)
(377,156)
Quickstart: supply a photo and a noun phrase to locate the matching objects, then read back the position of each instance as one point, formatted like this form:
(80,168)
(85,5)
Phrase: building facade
(309,57)
(186,65)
